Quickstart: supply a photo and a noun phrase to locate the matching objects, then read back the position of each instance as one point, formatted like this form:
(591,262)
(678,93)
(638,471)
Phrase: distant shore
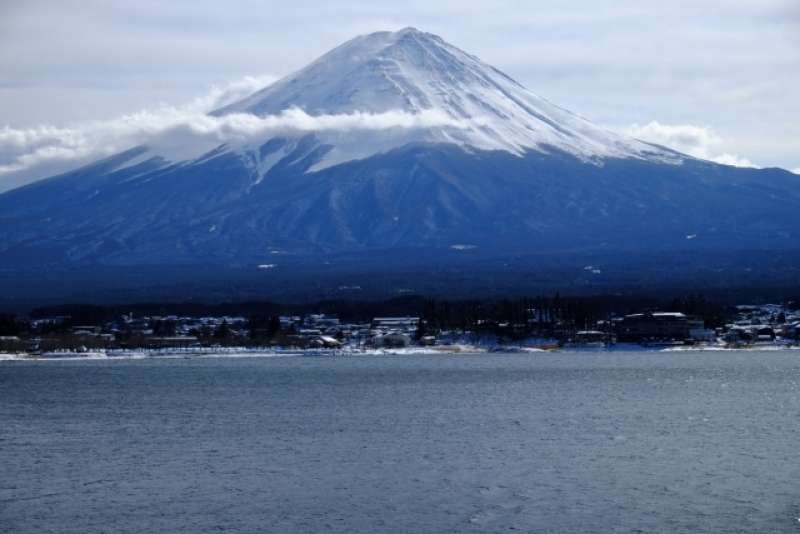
(254,352)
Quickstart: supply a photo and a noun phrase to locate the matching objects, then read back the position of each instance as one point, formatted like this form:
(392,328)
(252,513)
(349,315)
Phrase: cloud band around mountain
(28,154)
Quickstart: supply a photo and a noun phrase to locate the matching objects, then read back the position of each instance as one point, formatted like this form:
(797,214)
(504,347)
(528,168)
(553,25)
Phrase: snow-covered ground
(466,349)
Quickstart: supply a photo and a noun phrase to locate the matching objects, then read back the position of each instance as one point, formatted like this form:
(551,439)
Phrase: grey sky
(729,69)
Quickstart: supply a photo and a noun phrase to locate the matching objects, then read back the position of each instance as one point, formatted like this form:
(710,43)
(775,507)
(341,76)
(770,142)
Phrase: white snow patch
(140,158)
(264,165)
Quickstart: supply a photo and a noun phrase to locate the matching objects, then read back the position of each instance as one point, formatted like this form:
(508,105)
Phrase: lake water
(606,442)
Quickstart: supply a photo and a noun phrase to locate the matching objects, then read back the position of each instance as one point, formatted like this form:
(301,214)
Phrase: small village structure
(653,327)
(750,326)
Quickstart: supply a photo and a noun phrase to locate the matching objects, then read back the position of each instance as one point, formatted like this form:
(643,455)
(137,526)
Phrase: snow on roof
(676,315)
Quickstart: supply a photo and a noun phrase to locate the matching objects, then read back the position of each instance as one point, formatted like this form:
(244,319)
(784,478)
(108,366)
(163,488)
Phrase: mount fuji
(393,148)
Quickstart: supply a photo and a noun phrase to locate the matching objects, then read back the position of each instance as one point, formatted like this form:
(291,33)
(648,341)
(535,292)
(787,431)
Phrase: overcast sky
(717,78)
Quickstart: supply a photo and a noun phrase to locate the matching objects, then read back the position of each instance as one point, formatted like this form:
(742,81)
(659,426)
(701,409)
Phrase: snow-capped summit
(414,72)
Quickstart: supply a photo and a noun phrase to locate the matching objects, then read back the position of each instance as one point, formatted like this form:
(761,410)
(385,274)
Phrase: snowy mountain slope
(419,147)
(416,72)
(425,196)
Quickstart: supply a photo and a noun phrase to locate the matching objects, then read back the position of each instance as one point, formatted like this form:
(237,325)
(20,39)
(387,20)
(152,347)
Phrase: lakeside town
(542,328)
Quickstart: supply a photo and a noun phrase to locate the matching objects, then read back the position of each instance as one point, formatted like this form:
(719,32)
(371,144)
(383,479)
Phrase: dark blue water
(701,442)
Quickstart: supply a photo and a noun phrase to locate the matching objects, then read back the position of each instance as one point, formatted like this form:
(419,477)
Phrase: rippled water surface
(625,442)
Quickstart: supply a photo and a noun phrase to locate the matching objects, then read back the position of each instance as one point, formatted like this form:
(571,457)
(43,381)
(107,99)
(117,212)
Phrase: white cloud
(27,154)
(34,152)
(164,127)
(698,141)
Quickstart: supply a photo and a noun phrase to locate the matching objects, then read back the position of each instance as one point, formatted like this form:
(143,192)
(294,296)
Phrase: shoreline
(277,352)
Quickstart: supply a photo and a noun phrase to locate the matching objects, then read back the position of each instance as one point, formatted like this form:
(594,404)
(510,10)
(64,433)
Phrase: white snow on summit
(376,93)
(415,72)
